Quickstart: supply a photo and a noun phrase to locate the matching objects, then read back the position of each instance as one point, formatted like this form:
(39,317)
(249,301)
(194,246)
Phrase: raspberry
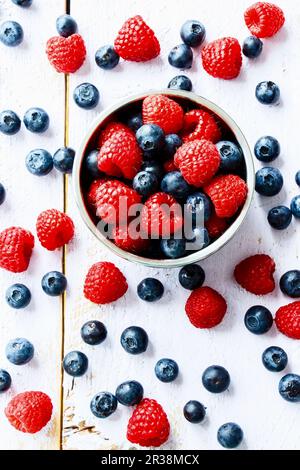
(29,412)
(66,54)
(255,274)
(104,283)
(169,166)
(136,41)
(264,19)
(166,113)
(198,161)
(228,193)
(198,125)
(222,58)
(216,226)
(109,130)
(16,245)
(148,425)
(54,229)
(161,216)
(113,201)
(205,307)
(120,154)
(92,192)
(287,319)
(124,241)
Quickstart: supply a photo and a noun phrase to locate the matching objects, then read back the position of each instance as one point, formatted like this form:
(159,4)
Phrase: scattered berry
(104,283)
(232,158)
(130,393)
(267,93)
(199,207)
(66,26)
(194,411)
(289,388)
(181,57)
(16,245)
(267,149)
(134,340)
(255,274)
(54,229)
(5,380)
(86,96)
(287,320)
(63,160)
(274,359)
(172,144)
(193,33)
(230,435)
(216,226)
(199,124)
(11,33)
(54,283)
(166,370)
(91,165)
(103,404)
(93,332)
(10,122)
(150,138)
(268,181)
(205,307)
(36,120)
(107,58)
(75,363)
(222,58)
(216,379)
(29,412)
(295,207)
(39,162)
(180,82)
(252,47)
(163,111)
(258,320)
(23,3)
(156,220)
(19,351)
(2,194)
(174,184)
(280,217)
(150,290)
(134,243)
(290,283)
(191,276)
(228,193)
(18,296)
(297,178)
(264,19)
(66,55)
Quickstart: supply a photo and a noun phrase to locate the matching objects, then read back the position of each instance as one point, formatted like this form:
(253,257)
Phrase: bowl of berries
(164,178)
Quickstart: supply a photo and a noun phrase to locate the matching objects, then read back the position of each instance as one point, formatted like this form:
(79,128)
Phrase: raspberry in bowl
(164,178)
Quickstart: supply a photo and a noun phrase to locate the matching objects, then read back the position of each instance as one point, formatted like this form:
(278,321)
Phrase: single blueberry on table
(280,217)
(230,435)
(66,25)
(232,157)
(274,359)
(198,239)
(295,207)
(166,370)
(289,388)
(199,206)
(252,47)
(145,183)
(39,162)
(18,296)
(194,411)
(191,276)
(258,320)
(19,351)
(150,138)
(75,363)
(267,93)
(103,404)
(5,380)
(2,194)
(268,181)
(10,123)
(129,393)
(11,33)
(267,149)
(91,165)
(93,332)
(86,96)
(135,121)
(54,283)
(181,57)
(23,3)
(297,178)
(63,160)
(134,340)
(173,247)
(172,143)
(193,33)
(180,82)
(290,284)
(150,290)
(36,120)
(174,184)
(152,166)
(106,57)
(216,379)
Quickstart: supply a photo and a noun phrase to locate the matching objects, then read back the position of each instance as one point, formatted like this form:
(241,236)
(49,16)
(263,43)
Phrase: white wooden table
(26,79)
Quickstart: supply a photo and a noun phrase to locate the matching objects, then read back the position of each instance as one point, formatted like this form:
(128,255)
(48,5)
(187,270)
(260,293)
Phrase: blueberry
(194,411)
(36,120)
(11,33)
(86,96)
(230,435)
(129,393)
(134,340)
(199,206)
(63,159)
(267,93)
(22,3)
(193,33)
(2,194)
(166,370)
(172,143)
(181,57)
(75,363)
(10,122)
(173,247)
(274,359)
(135,121)
(267,149)
(290,284)
(5,380)
(150,290)
(66,25)
(93,332)
(181,82)
(232,157)
(174,184)
(54,283)
(150,138)
(295,207)
(103,404)
(91,164)
(258,320)
(198,239)
(252,47)
(289,387)
(268,181)
(280,217)
(191,276)
(18,296)
(19,351)
(154,167)
(216,379)
(39,162)
(297,178)
(107,58)
(145,183)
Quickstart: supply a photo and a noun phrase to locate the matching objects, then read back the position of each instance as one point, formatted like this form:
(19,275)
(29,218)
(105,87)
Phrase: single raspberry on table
(287,320)
(198,161)
(228,193)
(92,192)
(104,283)
(205,307)
(54,229)
(264,19)
(222,58)
(255,274)
(29,412)
(161,215)
(136,41)
(126,242)
(199,124)
(169,166)
(216,226)
(16,245)
(109,130)
(148,425)
(66,54)
(166,113)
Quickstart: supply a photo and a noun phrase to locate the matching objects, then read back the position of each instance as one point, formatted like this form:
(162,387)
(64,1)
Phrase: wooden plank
(28,80)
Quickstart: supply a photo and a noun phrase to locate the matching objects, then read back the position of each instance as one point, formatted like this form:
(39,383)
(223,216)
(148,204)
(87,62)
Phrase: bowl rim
(197,255)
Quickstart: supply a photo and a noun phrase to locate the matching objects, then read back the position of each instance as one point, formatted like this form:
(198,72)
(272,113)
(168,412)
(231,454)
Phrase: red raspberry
(161,215)
(287,320)
(92,192)
(228,193)
(169,166)
(124,241)
(205,307)
(166,113)
(136,41)
(198,125)
(255,274)
(198,161)
(29,412)
(222,58)
(66,54)
(109,130)
(120,155)
(113,201)
(216,226)
(16,245)
(148,425)
(54,229)
(104,283)
(264,19)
